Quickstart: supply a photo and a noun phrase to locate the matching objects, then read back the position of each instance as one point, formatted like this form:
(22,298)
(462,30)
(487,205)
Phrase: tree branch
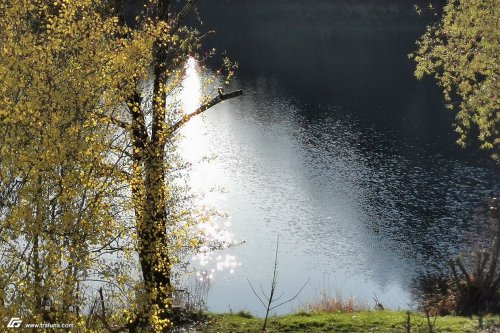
(257,295)
(290,299)
(116,122)
(182,14)
(214,101)
(463,270)
(103,316)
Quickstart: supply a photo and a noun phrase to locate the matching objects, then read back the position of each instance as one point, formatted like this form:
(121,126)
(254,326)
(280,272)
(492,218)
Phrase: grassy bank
(365,321)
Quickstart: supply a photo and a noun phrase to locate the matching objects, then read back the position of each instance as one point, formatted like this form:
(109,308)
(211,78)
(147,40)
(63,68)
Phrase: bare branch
(463,270)
(255,293)
(214,101)
(182,14)
(262,291)
(294,297)
(280,296)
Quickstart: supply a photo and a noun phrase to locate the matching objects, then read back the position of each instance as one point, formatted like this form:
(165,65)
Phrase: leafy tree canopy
(93,222)
(462,51)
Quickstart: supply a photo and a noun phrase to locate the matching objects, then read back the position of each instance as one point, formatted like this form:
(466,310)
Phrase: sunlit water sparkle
(357,212)
(194,149)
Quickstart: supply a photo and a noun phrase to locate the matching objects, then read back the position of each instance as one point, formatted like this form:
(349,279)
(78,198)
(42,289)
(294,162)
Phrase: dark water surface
(336,148)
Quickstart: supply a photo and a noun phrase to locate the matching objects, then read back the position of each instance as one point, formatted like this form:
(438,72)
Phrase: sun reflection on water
(194,149)
(191,87)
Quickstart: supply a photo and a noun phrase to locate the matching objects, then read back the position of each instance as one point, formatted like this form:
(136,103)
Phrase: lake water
(336,148)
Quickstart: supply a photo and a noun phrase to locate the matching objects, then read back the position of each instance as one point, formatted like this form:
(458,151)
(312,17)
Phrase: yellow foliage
(87,149)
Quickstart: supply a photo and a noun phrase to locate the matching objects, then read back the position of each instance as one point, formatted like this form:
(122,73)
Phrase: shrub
(244,314)
(472,288)
(328,303)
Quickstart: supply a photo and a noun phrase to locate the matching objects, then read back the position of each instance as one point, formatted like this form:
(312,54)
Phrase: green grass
(363,322)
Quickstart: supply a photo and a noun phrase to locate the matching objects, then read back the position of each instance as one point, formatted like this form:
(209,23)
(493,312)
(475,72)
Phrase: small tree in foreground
(271,301)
